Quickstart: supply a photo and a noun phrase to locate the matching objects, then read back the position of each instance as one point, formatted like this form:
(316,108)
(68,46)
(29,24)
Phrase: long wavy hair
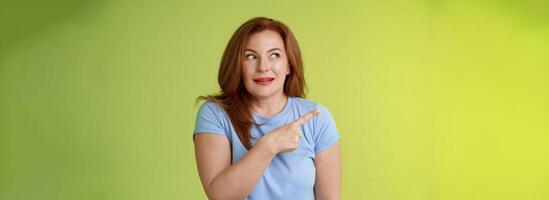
(233,97)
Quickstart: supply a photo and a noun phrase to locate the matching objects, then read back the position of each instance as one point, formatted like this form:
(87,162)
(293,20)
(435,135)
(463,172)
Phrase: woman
(259,138)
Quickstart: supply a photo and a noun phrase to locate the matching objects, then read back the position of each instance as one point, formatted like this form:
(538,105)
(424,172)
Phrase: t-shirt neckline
(281,114)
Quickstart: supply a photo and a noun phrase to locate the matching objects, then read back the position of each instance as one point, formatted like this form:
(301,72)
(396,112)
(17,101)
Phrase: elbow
(213,197)
(214,193)
(219,196)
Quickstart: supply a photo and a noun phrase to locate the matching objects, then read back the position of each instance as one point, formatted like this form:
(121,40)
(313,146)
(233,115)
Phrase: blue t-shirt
(290,175)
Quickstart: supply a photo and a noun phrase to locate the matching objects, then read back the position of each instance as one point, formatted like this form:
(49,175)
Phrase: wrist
(267,144)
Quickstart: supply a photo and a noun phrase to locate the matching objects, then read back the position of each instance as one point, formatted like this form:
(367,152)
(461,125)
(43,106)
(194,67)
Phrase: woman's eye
(275,55)
(250,57)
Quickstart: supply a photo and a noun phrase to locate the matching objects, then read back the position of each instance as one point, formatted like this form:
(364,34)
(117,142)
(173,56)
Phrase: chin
(262,94)
(265,92)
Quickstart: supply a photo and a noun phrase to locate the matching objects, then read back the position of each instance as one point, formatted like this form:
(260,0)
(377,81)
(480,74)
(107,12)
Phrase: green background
(433,99)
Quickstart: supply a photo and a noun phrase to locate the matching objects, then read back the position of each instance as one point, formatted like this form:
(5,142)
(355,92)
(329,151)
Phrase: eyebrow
(273,49)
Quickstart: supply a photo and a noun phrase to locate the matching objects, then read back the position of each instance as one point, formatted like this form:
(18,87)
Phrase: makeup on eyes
(252,56)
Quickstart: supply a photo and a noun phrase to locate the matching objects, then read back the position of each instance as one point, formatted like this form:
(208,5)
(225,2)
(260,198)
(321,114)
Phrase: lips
(263,80)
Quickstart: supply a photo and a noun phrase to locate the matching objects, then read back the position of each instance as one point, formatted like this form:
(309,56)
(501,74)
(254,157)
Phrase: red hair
(233,97)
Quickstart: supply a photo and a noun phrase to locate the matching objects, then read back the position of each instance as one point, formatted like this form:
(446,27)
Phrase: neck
(269,106)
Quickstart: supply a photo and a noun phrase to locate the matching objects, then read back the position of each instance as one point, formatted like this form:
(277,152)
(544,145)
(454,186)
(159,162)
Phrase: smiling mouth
(263,81)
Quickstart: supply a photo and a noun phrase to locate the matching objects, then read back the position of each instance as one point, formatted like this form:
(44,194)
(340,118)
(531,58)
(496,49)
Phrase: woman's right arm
(221,180)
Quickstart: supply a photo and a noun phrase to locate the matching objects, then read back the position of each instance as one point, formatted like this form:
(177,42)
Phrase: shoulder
(211,119)
(322,128)
(211,108)
(210,105)
(308,105)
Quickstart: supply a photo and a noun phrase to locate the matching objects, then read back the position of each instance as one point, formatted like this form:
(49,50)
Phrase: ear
(289,70)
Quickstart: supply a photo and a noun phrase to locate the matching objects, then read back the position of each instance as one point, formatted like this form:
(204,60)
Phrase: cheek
(281,69)
(247,71)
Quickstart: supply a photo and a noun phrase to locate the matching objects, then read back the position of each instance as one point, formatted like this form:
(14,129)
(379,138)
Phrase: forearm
(238,180)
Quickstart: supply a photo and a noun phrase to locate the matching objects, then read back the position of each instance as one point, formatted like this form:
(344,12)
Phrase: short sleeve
(209,120)
(326,133)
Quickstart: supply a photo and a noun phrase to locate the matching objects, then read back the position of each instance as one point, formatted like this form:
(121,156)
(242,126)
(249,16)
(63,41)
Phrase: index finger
(306,117)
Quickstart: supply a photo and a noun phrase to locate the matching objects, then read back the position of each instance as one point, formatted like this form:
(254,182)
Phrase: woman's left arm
(328,174)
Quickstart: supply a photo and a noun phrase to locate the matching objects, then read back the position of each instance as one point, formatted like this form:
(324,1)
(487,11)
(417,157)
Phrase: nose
(264,65)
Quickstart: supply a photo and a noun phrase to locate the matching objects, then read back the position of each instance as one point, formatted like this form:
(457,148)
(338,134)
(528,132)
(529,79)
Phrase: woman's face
(265,64)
